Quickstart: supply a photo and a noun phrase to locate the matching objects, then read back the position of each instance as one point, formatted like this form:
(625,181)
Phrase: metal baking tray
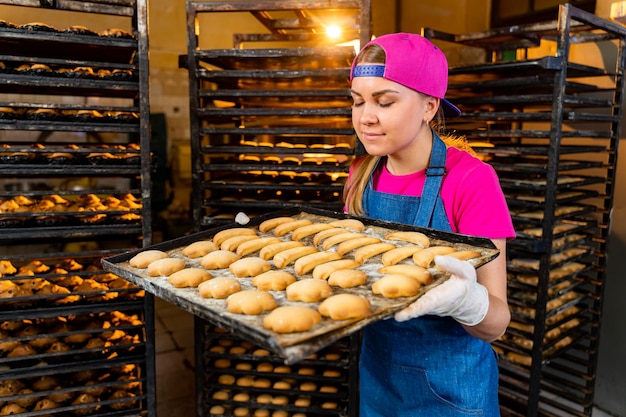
(295,346)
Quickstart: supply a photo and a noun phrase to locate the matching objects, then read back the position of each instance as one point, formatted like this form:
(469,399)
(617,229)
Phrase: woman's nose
(368,116)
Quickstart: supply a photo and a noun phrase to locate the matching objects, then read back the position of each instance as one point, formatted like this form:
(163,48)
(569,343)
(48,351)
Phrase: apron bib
(429,366)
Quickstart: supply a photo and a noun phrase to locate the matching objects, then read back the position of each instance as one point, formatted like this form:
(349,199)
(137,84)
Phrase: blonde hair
(363,166)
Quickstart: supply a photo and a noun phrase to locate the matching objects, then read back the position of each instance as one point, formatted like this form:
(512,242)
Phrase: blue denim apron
(429,366)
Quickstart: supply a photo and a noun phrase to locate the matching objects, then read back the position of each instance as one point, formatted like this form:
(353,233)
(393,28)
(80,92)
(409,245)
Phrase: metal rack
(549,123)
(270,117)
(75,167)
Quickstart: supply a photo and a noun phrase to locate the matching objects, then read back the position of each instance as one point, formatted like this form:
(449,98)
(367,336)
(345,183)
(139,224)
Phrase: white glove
(460,297)
(242,218)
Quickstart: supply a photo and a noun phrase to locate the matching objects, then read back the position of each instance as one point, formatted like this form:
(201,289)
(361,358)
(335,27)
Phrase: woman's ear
(432,106)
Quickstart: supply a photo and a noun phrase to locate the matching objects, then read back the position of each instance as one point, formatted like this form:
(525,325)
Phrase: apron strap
(434,178)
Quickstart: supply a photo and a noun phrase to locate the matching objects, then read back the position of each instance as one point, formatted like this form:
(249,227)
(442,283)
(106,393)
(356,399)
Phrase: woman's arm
(493,276)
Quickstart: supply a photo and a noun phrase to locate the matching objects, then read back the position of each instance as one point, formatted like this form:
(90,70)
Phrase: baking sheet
(293,346)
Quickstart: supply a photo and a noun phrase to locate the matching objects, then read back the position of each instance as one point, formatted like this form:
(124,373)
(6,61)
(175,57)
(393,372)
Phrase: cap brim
(450,111)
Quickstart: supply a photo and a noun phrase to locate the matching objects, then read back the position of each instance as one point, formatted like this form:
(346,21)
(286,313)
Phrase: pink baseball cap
(414,62)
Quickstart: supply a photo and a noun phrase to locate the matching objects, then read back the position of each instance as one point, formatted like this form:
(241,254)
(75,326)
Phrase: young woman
(434,358)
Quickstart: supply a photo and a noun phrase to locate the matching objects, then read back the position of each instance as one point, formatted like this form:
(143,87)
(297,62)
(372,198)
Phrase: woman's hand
(460,297)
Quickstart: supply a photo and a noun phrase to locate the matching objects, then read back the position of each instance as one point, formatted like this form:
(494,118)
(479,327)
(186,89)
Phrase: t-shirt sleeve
(479,205)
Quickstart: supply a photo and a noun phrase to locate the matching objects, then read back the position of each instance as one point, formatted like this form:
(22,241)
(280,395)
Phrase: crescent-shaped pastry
(255,244)
(424,258)
(308,230)
(284,258)
(339,238)
(353,224)
(368,251)
(317,239)
(352,244)
(414,271)
(284,228)
(399,254)
(322,271)
(417,238)
(269,224)
(228,233)
(306,263)
(269,251)
(232,243)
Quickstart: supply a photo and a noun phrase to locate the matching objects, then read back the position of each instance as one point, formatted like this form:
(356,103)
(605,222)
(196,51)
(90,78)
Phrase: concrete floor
(175,374)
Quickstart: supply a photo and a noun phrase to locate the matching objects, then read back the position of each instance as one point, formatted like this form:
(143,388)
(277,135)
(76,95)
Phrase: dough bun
(273,280)
(219,287)
(165,267)
(250,302)
(249,267)
(291,319)
(189,277)
(347,278)
(199,249)
(344,307)
(218,259)
(308,290)
(145,258)
(396,285)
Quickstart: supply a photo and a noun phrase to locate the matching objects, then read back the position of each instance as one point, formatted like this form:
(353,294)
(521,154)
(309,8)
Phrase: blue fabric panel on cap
(369,71)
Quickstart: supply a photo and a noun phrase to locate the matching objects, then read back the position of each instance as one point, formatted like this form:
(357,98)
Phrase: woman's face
(388,117)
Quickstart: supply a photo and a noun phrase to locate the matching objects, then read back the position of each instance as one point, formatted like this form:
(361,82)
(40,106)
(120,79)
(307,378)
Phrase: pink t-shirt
(471,194)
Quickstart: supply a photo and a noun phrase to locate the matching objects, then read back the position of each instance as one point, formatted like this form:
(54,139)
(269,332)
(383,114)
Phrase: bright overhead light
(333,31)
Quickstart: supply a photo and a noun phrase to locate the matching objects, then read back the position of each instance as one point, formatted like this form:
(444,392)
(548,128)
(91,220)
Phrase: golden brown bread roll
(269,251)
(145,258)
(399,254)
(249,267)
(218,259)
(308,230)
(232,243)
(344,306)
(308,290)
(284,228)
(322,271)
(424,258)
(250,302)
(394,286)
(417,238)
(165,267)
(368,251)
(222,235)
(306,263)
(352,244)
(199,249)
(340,237)
(188,277)
(219,287)
(290,319)
(286,257)
(347,278)
(414,271)
(273,280)
(353,224)
(320,236)
(255,245)
(269,224)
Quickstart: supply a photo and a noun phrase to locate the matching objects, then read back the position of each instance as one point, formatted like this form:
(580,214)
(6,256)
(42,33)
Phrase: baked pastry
(347,278)
(320,236)
(145,258)
(353,244)
(270,224)
(218,259)
(219,287)
(399,254)
(424,258)
(340,237)
(394,286)
(286,257)
(323,271)
(165,267)
(414,271)
(273,280)
(308,290)
(199,248)
(290,319)
(308,230)
(416,238)
(250,302)
(222,235)
(255,245)
(232,243)
(306,263)
(249,267)
(188,277)
(272,249)
(353,224)
(368,251)
(344,306)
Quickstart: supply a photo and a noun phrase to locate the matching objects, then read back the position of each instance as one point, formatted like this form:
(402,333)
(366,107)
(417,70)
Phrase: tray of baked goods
(298,279)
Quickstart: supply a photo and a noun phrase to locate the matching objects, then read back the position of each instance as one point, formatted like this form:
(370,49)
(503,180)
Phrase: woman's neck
(413,158)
